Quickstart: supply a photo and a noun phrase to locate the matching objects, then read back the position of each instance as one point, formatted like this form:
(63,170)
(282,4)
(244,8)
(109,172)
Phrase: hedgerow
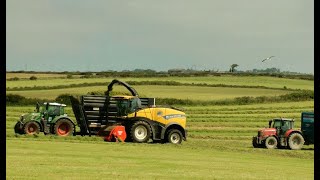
(13,99)
(166,83)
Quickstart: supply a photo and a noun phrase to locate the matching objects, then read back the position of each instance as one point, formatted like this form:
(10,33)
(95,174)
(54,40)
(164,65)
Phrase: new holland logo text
(174,116)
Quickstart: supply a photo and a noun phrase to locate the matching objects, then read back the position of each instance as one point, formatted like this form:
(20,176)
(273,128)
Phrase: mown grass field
(100,160)
(218,145)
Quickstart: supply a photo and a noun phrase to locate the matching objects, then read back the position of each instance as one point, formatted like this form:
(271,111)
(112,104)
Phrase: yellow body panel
(162,115)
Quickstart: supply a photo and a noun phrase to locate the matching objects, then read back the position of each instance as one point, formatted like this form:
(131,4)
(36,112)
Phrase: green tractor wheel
(31,128)
(63,127)
(17,128)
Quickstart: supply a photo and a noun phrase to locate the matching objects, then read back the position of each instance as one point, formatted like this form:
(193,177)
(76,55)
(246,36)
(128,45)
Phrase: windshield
(42,109)
(54,110)
(277,124)
(126,107)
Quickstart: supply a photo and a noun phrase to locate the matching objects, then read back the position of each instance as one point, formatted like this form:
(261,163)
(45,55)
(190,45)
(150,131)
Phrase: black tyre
(271,142)
(128,131)
(31,128)
(254,142)
(17,128)
(140,132)
(295,141)
(63,127)
(174,136)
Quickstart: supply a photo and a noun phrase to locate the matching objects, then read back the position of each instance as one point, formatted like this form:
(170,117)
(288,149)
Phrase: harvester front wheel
(295,141)
(63,127)
(271,142)
(31,128)
(174,136)
(140,132)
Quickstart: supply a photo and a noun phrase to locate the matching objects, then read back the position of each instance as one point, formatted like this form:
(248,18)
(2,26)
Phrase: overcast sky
(99,35)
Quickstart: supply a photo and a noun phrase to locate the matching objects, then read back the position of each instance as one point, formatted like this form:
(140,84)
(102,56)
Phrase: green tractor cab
(49,118)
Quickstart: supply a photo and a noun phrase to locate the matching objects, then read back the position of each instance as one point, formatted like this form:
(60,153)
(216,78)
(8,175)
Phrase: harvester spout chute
(115,81)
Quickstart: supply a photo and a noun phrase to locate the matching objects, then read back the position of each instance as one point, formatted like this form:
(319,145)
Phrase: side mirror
(270,122)
(38,106)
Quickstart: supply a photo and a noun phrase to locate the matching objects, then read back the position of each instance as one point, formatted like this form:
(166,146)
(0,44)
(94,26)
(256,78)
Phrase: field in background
(218,145)
(160,91)
(38,75)
(272,82)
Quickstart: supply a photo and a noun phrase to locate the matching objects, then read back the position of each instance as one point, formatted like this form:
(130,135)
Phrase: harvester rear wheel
(174,136)
(140,132)
(271,142)
(63,127)
(31,128)
(295,141)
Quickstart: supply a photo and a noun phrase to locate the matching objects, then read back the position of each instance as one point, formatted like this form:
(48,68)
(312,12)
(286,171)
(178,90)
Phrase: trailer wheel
(31,128)
(271,142)
(174,136)
(295,141)
(63,127)
(140,132)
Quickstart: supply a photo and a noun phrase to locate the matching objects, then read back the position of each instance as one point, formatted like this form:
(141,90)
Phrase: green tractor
(49,118)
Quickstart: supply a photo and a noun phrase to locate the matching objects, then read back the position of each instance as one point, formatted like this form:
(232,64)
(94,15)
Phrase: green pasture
(272,82)
(218,147)
(218,144)
(160,91)
(240,118)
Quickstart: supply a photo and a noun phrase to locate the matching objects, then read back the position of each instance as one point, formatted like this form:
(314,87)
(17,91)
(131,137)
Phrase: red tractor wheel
(295,141)
(254,142)
(31,128)
(64,127)
(271,142)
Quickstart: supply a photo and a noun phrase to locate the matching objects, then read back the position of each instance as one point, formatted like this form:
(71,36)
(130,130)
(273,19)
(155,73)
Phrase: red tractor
(280,134)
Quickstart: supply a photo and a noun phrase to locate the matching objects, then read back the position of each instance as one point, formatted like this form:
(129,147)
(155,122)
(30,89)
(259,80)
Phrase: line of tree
(180,73)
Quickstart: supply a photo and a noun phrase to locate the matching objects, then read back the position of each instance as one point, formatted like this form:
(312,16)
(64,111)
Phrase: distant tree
(69,76)
(33,78)
(13,79)
(232,67)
